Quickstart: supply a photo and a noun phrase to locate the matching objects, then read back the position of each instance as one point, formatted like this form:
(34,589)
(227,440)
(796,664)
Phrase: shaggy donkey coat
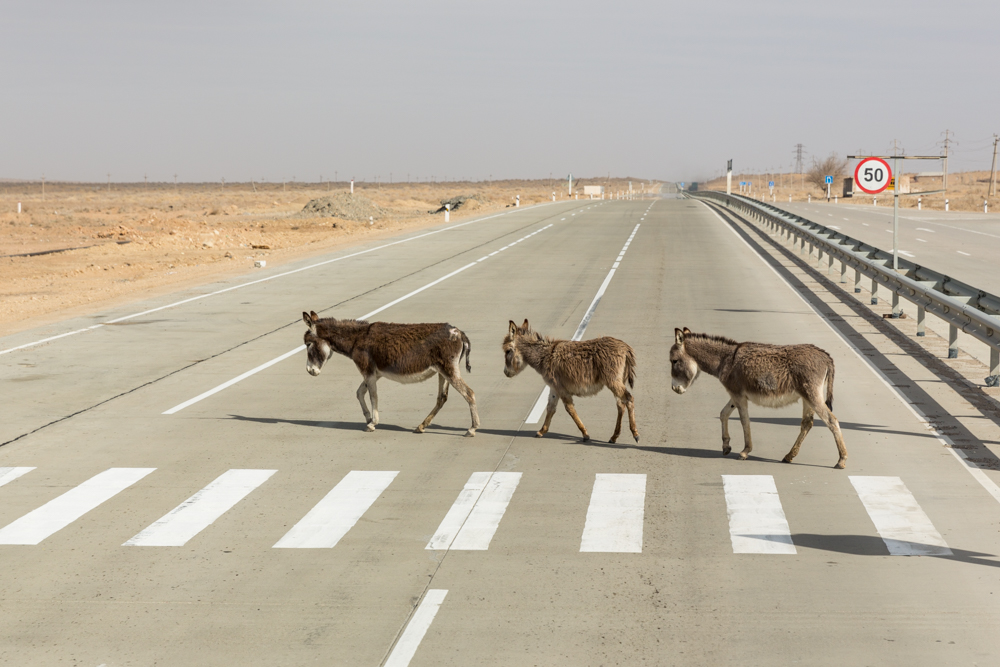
(769,375)
(400,352)
(574,368)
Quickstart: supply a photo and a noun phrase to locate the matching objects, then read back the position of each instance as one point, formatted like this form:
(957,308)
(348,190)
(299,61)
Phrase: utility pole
(947,141)
(798,158)
(993,171)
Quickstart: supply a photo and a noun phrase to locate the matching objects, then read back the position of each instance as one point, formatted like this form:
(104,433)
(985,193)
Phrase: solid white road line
(614,518)
(59,512)
(963,253)
(8,475)
(253,371)
(539,408)
(903,526)
(200,510)
(406,647)
(475,515)
(338,511)
(248,284)
(757,522)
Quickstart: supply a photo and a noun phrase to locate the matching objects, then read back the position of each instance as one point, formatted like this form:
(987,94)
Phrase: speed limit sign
(872,175)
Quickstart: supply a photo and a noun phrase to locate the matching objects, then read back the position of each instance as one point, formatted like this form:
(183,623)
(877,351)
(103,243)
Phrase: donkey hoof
(841,464)
(787,459)
(744,455)
(613,439)
(726,449)
(471,433)
(370,427)
(419,429)
(585,438)
(540,434)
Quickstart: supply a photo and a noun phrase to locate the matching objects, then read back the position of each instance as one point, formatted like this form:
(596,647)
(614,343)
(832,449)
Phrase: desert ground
(76,248)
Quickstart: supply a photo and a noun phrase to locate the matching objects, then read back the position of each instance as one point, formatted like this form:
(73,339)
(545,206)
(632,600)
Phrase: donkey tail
(829,387)
(467,351)
(630,367)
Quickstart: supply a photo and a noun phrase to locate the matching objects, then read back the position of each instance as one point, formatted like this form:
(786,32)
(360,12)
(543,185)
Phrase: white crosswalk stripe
(201,510)
(757,523)
(475,515)
(614,519)
(899,520)
(615,515)
(332,517)
(8,475)
(58,513)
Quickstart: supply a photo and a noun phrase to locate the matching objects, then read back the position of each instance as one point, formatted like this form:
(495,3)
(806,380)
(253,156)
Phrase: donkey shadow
(360,426)
(871,545)
(693,453)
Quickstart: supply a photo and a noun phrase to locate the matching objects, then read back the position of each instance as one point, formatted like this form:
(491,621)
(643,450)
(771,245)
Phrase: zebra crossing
(614,518)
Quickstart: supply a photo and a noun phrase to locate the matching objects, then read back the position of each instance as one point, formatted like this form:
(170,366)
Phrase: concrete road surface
(261,524)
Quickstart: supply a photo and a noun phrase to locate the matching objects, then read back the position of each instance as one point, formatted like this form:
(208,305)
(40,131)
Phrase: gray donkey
(769,375)
(574,368)
(404,353)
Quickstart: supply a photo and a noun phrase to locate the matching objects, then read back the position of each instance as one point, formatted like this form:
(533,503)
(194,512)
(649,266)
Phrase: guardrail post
(857,281)
(829,266)
(843,272)
(921,324)
(994,379)
(874,291)
(896,310)
(952,341)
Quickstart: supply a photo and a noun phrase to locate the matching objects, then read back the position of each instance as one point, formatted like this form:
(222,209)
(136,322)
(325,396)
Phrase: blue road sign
(770,184)
(829,180)
(682,184)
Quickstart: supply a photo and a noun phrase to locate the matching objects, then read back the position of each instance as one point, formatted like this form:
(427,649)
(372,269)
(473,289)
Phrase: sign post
(829,181)
(770,184)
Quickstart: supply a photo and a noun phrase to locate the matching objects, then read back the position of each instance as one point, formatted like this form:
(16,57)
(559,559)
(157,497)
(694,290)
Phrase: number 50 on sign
(872,175)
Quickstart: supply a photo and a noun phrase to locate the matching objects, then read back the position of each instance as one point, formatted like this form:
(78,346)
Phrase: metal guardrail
(964,307)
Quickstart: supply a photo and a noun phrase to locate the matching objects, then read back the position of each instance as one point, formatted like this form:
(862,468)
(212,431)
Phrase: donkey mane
(711,337)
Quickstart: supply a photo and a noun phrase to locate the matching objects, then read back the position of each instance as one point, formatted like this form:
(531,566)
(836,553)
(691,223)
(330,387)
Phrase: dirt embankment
(82,247)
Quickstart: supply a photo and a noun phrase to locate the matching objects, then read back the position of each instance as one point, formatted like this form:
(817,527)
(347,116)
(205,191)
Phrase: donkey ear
(314,316)
(513,328)
(526,326)
(678,336)
(686,331)
(310,322)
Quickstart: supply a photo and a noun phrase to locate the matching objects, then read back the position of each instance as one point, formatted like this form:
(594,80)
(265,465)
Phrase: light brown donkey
(401,352)
(769,375)
(574,368)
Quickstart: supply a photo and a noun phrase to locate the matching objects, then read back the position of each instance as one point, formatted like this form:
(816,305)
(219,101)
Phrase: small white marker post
(19,208)
(553,196)
(919,202)
(447,212)
(352,186)
(946,204)
(517,201)
(810,199)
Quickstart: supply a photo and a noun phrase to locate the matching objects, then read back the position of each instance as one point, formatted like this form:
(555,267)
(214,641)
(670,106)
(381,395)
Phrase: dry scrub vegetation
(135,241)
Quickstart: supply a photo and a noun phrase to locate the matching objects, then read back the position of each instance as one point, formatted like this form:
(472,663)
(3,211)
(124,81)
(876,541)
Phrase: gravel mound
(344,206)
(459,201)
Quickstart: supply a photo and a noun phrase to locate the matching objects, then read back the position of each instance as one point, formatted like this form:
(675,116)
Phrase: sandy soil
(135,241)
(966,190)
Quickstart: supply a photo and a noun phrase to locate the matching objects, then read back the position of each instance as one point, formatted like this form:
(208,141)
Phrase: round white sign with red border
(872,175)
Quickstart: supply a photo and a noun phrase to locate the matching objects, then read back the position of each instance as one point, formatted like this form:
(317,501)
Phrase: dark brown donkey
(574,368)
(769,375)
(403,353)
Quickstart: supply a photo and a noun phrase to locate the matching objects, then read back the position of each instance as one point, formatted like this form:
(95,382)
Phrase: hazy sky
(241,90)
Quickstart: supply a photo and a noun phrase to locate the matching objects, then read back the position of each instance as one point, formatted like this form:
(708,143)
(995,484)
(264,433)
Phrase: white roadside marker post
(517,201)
(19,208)
(946,204)
(447,212)
(352,186)
(919,202)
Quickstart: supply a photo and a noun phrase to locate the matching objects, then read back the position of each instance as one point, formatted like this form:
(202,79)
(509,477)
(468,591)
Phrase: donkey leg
(727,410)
(373,397)
(630,404)
(364,406)
(470,396)
(571,409)
(834,425)
(619,392)
(442,397)
(550,411)
(805,427)
(744,409)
